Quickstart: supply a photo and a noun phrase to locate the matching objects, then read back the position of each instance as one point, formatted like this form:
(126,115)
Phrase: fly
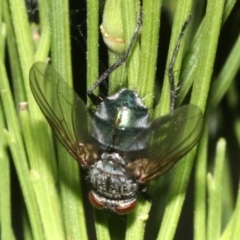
(120,147)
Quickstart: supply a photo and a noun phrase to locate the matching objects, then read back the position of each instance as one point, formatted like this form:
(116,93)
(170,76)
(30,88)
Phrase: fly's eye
(95,201)
(126,208)
(118,206)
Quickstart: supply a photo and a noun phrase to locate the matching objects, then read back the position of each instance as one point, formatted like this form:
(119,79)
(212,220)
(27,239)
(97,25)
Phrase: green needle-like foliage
(50,202)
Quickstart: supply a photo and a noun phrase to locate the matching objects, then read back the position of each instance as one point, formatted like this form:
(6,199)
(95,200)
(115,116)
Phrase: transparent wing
(64,110)
(169,138)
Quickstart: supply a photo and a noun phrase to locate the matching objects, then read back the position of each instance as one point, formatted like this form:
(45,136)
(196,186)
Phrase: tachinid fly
(120,147)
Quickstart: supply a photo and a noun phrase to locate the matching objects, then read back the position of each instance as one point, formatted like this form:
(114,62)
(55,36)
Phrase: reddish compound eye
(126,208)
(118,206)
(95,201)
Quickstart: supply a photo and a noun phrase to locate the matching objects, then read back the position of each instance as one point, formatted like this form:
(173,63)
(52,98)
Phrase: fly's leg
(172,62)
(117,64)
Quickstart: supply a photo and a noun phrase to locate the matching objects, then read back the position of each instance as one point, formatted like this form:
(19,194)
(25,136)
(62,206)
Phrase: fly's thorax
(111,187)
(119,119)
(108,177)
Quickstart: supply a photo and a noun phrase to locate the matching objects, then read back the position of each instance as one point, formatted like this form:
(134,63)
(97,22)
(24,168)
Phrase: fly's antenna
(172,62)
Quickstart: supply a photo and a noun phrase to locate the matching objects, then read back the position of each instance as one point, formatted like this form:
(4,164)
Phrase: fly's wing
(64,110)
(169,138)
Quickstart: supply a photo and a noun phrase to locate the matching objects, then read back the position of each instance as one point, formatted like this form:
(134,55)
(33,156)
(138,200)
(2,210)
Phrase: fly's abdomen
(119,119)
